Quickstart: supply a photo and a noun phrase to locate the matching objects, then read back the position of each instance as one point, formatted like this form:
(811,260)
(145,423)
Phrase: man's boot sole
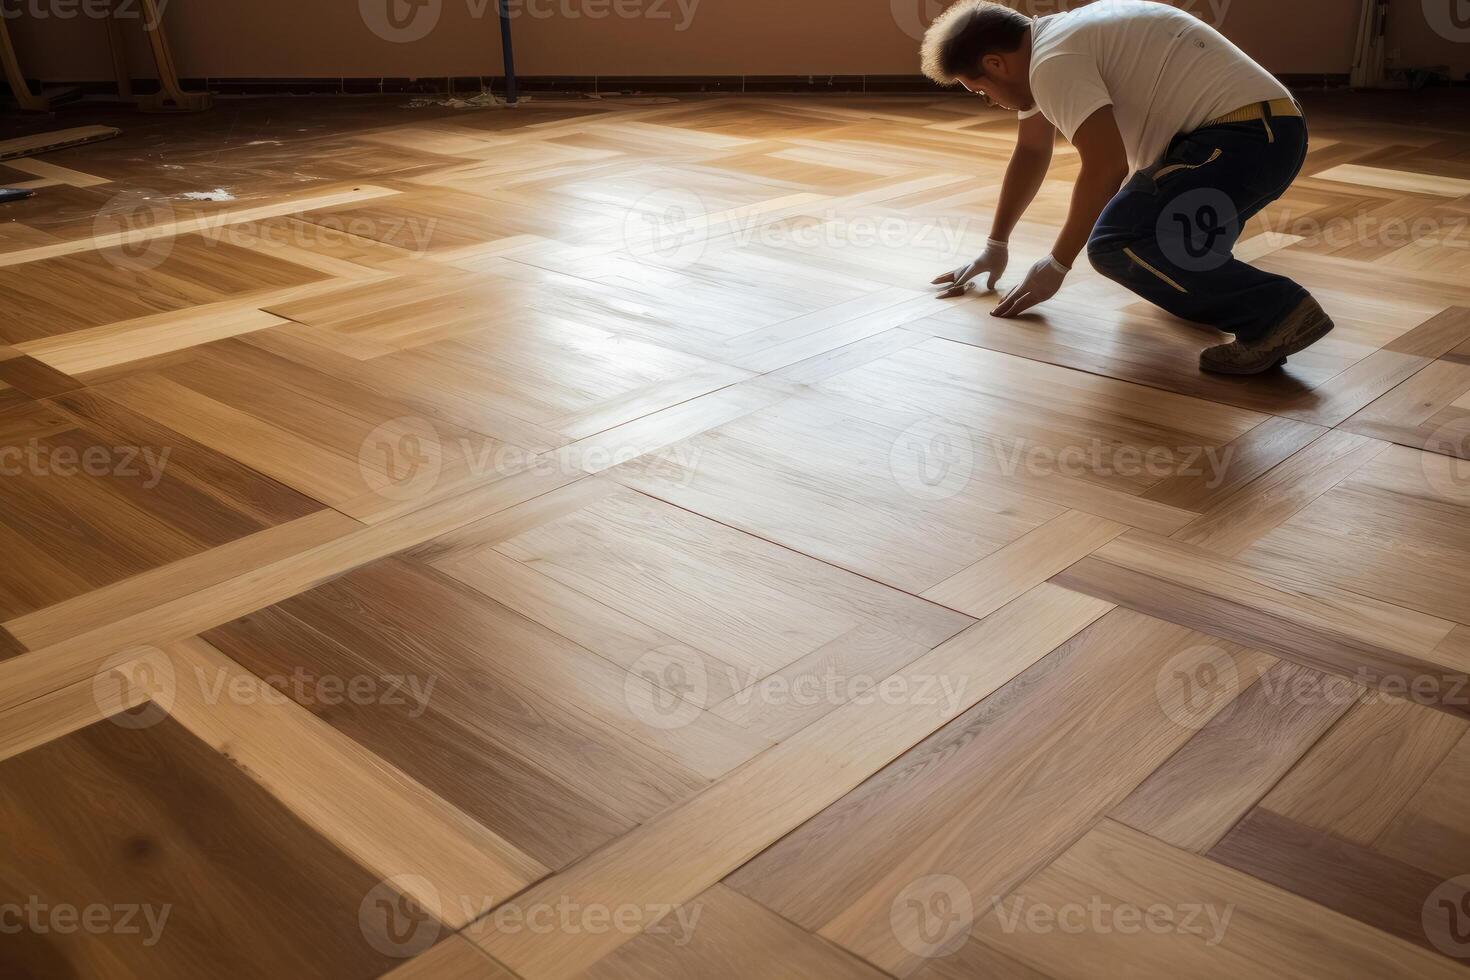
(1278,356)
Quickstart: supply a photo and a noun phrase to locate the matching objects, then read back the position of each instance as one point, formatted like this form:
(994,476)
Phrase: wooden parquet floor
(574,542)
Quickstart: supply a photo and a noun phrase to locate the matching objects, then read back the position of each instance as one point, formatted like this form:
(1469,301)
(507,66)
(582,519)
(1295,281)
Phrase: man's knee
(1108,256)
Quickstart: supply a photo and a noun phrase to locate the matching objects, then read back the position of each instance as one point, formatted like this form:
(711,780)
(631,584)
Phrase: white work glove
(1040,285)
(993,260)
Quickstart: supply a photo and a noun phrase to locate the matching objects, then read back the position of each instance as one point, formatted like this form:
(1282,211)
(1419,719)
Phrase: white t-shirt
(1162,70)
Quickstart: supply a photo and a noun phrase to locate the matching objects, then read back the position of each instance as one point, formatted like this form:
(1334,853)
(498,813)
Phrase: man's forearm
(1023,180)
(1093,191)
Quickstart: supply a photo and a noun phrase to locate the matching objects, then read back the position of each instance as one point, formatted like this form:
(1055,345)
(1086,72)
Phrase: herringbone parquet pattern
(573,541)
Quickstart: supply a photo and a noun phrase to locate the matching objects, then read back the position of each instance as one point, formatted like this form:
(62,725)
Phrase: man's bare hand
(992,261)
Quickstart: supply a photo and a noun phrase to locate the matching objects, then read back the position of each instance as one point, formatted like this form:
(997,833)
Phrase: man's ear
(993,65)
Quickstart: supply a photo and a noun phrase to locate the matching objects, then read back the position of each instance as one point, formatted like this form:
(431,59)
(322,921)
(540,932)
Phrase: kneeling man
(1208,136)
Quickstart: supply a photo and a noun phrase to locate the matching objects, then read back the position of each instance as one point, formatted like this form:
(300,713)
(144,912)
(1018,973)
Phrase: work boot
(1302,328)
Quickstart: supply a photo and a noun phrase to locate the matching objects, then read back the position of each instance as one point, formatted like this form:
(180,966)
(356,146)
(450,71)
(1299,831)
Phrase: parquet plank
(721,935)
(34,378)
(1023,564)
(520,684)
(9,645)
(1237,521)
(1252,455)
(58,298)
(1332,872)
(190,842)
(601,628)
(136,236)
(95,494)
(851,482)
(975,959)
(1437,337)
(1400,539)
(991,797)
(69,709)
(1195,798)
(76,658)
(1316,606)
(1396,180)
(379,374)
(1268,930)
(208,474)
(1324,628)
(453,958)
(1358,777)
(1430,830)
(397,716)
(307,466)
(387,821)
(83,351)
(847,668)
(141,593)
(678,854)
(668,567)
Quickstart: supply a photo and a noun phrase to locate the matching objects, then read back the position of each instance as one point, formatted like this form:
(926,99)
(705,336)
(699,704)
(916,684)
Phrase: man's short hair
(965,33)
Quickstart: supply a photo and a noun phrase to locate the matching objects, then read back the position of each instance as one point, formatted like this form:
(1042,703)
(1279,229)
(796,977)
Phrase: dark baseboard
(1306,83)
(600,84)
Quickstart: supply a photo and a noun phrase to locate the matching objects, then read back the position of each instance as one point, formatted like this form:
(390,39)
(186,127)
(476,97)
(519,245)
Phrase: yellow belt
(1259,110)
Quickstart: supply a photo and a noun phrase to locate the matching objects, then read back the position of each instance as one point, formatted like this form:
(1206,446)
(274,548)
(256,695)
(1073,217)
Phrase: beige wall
(1426,34)
(301,38)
